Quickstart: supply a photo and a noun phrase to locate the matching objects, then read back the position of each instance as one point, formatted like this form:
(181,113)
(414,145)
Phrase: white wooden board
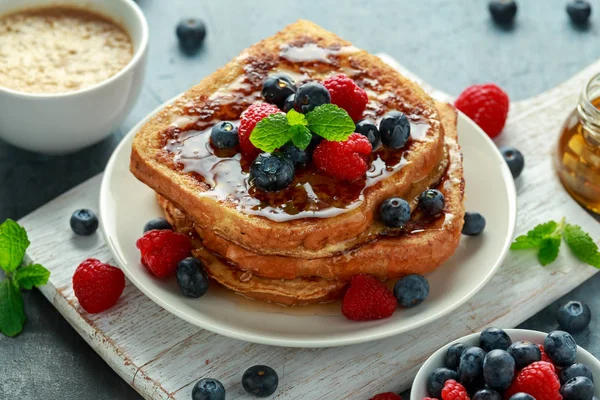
(162,356)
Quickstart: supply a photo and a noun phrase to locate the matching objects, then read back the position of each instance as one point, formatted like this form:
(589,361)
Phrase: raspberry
(162,250)
(343,160)
(454,391)
(544,355)
(97,286)
(429,398)
(368,299)
(538,379)
(487,105)
(387,396)
(347,95)
(248,121)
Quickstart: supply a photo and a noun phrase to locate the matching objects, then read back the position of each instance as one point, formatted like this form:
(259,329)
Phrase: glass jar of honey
(578,156)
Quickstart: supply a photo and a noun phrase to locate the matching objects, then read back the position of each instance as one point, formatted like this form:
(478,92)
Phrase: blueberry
(474,224)
(437,379)
(224,135)
(368,128)
(453,355)
(574,316)
(309,96)
(191,277)
(578,388)
(395,212)
(579,11)
(432,201)
(561,348)
(411,290)
(514,159)
(84,222)
(260,380)
(573,371)
(524,353)
(299,157)
(522,396)
(272,172)
(498,369)
(503,11)
(494,338)
(277,88)
(157,223)
(208,389)
(288,104)
(191,33)
(394,129)
(470,368)
(487,394)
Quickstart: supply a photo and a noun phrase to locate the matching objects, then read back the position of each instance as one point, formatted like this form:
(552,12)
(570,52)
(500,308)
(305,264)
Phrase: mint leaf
(330,122)
(296,118)
(13,243)
(300,136)
(30,276)
(12,313)
(524,242)
(582,245)
(535,237)
(271,133)
(548,250)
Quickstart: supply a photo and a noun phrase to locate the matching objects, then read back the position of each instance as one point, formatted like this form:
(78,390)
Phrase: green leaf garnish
(296,118)
(582,245)
(330,122)
(300,136)
(13,243)
(271,133)
(33,275)
(12,313)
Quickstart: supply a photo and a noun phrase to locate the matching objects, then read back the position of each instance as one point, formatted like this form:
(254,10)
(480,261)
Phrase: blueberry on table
(470,368)
(224,135)
(487,394)
(208,389)
(514,159)
(191,33)
(573,371)
(157,223)
(437,379)
(498,369)
(578,388)
(474,224)
(272,172)
(524,353)
(309,96)
(522,396)
(579,11)
(260,380)
(432,202)
(494,338)
(453,355)
(561,348)
(192,278)
(84,222)
(395,212)
(368,129)
(394,129)
(277,88)
(574,316)
(411,290)
(503,11)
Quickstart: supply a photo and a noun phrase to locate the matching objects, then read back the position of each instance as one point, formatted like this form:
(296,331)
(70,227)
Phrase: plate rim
(303,342)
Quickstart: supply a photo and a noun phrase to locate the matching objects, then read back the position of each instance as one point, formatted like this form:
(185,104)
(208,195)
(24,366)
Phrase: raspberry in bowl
(549,376)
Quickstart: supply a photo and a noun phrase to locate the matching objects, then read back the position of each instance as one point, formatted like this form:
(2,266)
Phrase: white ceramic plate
(419,388)
(126,205)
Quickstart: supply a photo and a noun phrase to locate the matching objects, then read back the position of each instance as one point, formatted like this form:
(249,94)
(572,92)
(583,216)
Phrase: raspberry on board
(538,379)
(387,396)
(368,299)
(345,160)
(346,94)
(487,105)
(454,391)
(97,286)
(162,250)
(248,120)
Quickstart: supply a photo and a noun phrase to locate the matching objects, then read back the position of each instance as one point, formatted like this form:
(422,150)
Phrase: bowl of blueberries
(509,364)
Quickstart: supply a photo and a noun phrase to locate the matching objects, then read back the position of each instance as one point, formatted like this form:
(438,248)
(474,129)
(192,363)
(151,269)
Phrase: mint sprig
(13,243)
(327,120)
(547,237)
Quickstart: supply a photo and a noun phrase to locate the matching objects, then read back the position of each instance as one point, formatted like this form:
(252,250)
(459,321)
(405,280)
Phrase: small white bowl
(65,122)
(419,388)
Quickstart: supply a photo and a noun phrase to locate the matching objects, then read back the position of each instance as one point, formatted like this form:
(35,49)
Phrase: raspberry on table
(487,105)
(538,379)
(387,396)
(368,299)
(345,160)
(162,250)
(248,121)
(97,286)
(454,391)
(346,94)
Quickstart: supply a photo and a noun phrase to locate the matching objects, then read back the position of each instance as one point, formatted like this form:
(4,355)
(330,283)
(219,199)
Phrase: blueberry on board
(561,348)
(578,388)
(271,172)
(84,222)
(503,11)
(191,33)
(524,353)
(224,135)
(487,394)
(514,159)
(470,368)
(394,129)
(208,389)
(437,379)
(260,380)
(368,129)
(574,316)
(395,212)
(311,95)
(277,88)
(157,223)
(411,290)
(432,202)
(453,355)
(494,338)
(498,369)
(579,11)
(288,104)
(298,157)
(522,396)
(474,224)
(573,371)
(192,278)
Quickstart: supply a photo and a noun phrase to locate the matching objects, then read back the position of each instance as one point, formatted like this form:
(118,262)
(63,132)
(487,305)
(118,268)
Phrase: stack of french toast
(303,243)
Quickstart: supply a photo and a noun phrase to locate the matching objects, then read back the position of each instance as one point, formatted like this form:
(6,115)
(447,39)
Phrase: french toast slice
(165,152)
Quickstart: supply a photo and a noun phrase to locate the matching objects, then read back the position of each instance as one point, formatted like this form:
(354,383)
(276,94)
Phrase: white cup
(66,122)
